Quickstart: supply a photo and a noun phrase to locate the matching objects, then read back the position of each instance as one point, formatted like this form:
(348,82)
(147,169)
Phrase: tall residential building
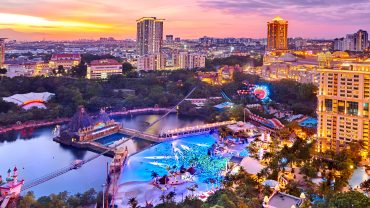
(169,39)
(352,42)
(343,106)
(187,60)
(277,34)
(151,62)
(361,40)
(149,35)
(2,52)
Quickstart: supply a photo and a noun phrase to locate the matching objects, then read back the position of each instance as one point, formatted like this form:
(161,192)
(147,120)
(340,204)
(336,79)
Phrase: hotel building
(149,38)
(102,69)
(343,106)
(277,35)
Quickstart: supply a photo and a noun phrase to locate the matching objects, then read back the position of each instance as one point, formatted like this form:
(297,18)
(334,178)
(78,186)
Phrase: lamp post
(103,193)
(244,113)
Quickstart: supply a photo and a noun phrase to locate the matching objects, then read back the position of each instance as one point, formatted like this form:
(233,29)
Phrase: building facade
(358,41)
(65,60)
(149,38)
(361,40)
(277,34)
(151,62)
(2,52)
(188,60)
(102,69)
(343,106)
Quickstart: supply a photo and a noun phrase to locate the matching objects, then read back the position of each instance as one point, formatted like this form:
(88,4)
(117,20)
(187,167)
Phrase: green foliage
(301,97)
(127,67)
(3,71)
(80,70)
(349,199)
(233,60)
(88,198)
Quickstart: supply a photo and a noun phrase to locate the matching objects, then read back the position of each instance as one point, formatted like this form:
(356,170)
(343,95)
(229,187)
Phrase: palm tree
(192,189)
(154,176)
(133,202)
(170,196)
(148,204)
(163,198)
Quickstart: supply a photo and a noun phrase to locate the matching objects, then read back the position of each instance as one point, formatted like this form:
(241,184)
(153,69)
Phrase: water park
(193,165)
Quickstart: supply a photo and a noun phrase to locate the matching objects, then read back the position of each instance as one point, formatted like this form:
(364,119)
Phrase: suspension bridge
(80,163)
(167,135)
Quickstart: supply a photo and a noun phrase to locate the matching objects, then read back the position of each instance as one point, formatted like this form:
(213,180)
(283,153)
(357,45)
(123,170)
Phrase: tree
(3,71)
(27,200)
(366,185)
(349,199)
(80,70)
(170,196)
(133,202)
(59,71)
(126,67)
(154,176)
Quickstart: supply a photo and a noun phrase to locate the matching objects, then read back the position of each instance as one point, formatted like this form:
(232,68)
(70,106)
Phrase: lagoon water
(35,154)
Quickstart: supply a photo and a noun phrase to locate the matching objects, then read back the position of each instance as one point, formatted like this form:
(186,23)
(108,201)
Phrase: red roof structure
(104,62)
(65,56)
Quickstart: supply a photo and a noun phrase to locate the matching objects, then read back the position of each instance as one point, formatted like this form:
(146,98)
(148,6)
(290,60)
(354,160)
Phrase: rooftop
(65,56)
(282,200)
(104,62)
(277,18)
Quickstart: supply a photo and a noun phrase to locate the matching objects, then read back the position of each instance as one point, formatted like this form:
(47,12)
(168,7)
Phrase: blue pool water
(133,145)
(309,122)
(188,152)
(108,140)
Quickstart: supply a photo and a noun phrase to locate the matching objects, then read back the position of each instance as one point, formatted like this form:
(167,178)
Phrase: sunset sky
(74,19)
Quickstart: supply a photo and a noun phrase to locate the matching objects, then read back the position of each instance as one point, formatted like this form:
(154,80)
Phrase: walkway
(142,110)
(170,134)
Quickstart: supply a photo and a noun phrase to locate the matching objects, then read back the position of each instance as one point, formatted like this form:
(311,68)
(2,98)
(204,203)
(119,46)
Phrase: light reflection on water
(36,154)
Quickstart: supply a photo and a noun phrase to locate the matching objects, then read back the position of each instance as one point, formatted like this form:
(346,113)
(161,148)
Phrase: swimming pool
(172,155)
(309,122)
(133,145)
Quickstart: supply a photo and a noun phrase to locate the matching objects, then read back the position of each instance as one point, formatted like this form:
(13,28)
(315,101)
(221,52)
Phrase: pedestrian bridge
(180,132)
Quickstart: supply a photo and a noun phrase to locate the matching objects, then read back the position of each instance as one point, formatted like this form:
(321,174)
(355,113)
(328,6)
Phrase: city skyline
(91,19)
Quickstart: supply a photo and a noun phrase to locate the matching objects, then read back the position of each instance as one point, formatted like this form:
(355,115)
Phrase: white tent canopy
(251,165)
(30,100)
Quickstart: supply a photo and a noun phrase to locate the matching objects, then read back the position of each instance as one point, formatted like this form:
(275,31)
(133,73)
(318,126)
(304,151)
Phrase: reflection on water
(36,154)
(172,121)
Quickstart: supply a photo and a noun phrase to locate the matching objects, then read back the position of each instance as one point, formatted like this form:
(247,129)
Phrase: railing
(141,110)
(194,129)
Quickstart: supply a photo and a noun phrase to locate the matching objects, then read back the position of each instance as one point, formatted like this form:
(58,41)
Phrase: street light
(103,193)
(244,113)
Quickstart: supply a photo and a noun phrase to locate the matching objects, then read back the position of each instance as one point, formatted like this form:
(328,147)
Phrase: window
(328,105)
(341,106)
(352,108)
